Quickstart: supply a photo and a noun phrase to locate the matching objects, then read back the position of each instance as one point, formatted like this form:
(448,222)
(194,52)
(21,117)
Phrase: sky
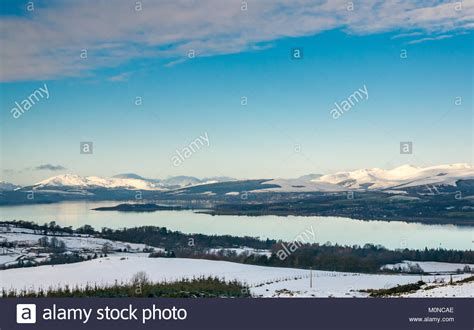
(142,80)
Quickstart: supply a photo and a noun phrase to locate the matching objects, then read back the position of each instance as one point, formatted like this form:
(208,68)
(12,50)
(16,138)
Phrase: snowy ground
(430,266)
(242,250)
(263,281)
(120,266)
(26,245)
(26,237)
(447,291)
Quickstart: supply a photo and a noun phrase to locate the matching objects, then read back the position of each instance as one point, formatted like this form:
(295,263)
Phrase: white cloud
(49,167)
(408,35)
(120,77)
(46,43)
(441,37)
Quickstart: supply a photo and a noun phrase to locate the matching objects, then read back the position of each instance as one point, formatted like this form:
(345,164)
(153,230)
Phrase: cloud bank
(49,42)
(49,167)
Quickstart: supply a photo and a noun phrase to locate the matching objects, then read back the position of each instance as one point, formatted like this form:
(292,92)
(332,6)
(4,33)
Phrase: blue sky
(285,130)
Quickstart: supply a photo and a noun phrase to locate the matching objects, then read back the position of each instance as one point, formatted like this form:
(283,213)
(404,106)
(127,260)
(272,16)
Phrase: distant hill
(6,186)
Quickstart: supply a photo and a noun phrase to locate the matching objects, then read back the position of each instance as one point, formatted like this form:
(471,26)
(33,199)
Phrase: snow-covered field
(126,259)
(448,291)
(26,244)
(263,281)
(26,237)
(242,250)
(430,266)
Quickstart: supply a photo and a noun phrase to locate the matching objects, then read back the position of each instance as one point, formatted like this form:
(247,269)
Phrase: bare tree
(107,248)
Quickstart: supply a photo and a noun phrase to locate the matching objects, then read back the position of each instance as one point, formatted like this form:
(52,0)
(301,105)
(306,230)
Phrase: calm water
(336,230)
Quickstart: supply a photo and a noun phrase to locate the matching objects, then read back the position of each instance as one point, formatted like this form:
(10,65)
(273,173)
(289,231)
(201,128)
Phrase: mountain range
(399,178)
(372,179)
(128,181)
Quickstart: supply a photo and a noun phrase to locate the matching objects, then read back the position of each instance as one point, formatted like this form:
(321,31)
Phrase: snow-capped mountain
(400,177)
(180,181)
(121,181)
(129,176)
(135,176)
(90,182)
(301,184)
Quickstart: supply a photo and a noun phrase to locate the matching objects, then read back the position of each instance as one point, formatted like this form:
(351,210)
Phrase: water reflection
(343,231)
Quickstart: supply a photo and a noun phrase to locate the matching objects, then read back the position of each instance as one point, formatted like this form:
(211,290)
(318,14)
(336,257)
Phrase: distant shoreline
(149,207)
(302,213)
